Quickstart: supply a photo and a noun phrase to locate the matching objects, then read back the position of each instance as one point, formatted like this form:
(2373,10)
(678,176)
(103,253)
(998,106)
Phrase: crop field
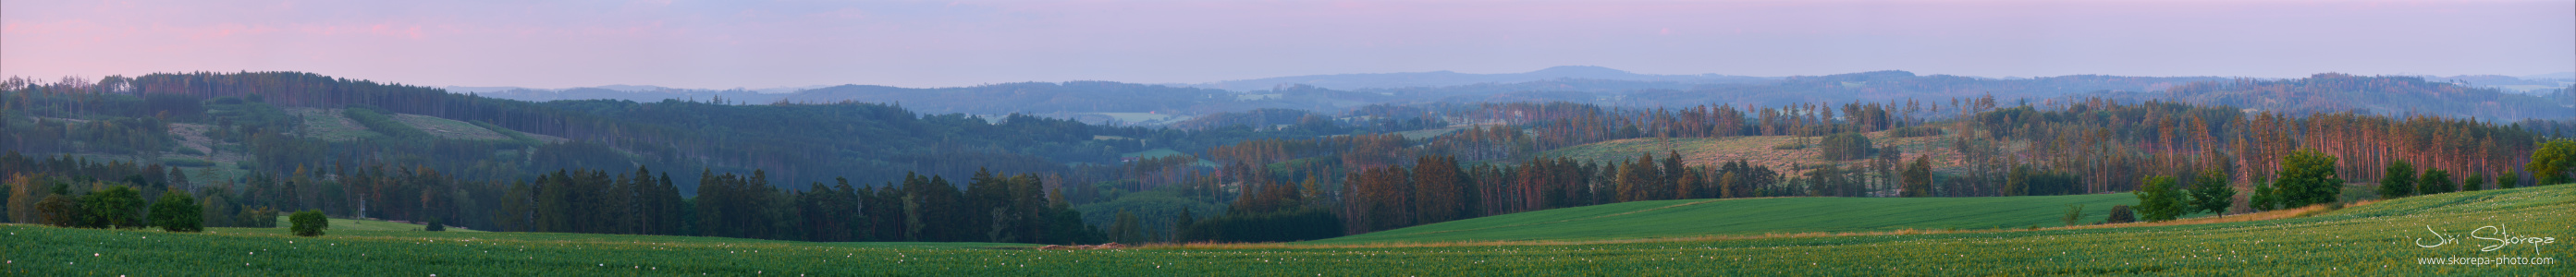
(1711,217)
(2385,238)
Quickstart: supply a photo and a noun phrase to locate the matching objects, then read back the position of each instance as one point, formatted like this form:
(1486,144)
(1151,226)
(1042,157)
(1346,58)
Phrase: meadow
(2382,238)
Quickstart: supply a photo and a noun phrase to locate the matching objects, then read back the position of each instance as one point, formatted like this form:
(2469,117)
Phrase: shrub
(2158,201)
(177,212)
(2436,181)
(435,225)
(2121,214)
(2399,181)
(309,222)
(2073,212)
(116,207)
(2477,181)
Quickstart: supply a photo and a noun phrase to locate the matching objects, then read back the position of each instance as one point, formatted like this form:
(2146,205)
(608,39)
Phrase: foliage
(309,223)
(2266,197)
(2477,181)
(434,226)
(1918,177)
(2210,192)
(2074,212)
(177,212)
(2159,200)
(114,207)
(2437,181)
(2307,177)
(2399,181)
(2121,214)
(2554,162)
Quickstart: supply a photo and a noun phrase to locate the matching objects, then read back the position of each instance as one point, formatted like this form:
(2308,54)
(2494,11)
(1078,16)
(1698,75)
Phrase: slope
(1707,217)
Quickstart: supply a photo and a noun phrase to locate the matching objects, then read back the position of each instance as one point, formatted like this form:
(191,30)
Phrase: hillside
(1708,217)
(2367,240)
(1760,150)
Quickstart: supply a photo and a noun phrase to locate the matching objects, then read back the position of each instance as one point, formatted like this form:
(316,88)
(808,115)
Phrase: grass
(1713,217)
(2368,240)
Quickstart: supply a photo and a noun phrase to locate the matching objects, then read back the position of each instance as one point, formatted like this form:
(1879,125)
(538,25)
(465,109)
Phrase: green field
(1710,217)
(2369,240)
(343,224)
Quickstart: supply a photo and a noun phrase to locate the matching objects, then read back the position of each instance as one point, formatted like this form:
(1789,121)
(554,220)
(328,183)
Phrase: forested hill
(2381,95)
(1445,78)
(287,122)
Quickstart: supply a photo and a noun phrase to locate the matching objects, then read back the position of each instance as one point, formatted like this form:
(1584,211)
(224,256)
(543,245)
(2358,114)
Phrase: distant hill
(629,93)
(1448,78)
(2381,95)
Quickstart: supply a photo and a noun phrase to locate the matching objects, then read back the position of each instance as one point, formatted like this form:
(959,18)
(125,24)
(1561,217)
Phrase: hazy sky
(738,43)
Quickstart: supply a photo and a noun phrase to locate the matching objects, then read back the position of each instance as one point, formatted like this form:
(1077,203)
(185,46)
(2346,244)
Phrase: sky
(764,43)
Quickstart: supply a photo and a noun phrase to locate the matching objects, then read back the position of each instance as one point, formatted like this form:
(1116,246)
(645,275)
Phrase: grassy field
(2379,239)
(1712,217)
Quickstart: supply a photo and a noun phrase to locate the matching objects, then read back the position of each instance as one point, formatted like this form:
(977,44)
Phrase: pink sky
(725,44)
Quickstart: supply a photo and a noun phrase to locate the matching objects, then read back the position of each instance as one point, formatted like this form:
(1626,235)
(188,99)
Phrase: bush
(2435,180)
(2158,201)
(435,225)
(2073,213)
(309,222)
(177,212)
(116,207)
(2121,214)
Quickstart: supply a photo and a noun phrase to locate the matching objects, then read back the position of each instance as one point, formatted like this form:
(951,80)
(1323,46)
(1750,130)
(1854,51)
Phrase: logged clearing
(448,129)
(2380,239)
(330,125)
